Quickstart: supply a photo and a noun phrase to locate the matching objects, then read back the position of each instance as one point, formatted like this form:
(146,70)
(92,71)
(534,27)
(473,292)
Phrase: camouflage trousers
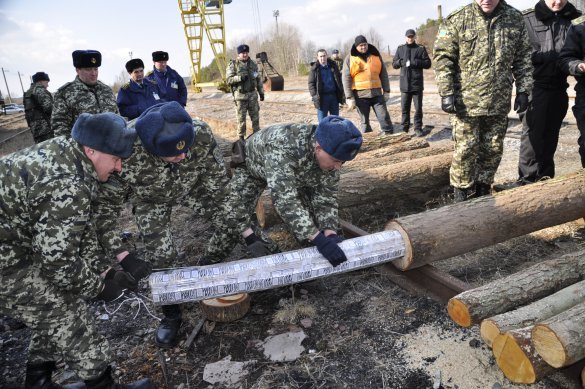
(60,323)
(41,131)
(479,143)
(249,106)
(237,214)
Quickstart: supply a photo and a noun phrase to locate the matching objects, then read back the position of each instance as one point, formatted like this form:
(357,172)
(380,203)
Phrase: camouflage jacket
(38,105)
(234,72)
(148,179)
(45,209)
(478,57)
(75,98)
(283,156)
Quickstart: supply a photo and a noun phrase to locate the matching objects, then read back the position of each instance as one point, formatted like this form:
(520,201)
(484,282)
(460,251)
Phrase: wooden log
(583,377)
(373,141)
(379,157)
(560,340)
(464,227)
(517,358)
(416,181)
(505,294)
(227,308)
(537,311)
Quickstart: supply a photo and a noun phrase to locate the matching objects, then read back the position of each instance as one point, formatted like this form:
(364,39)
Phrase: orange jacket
(365,75)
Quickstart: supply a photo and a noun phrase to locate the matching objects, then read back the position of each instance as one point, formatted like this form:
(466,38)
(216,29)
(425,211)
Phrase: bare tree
(120,80)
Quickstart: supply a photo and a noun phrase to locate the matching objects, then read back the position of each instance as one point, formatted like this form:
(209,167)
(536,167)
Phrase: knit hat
(40,76)
(243,48)
(105,132)
(335,51)
(160,56)
(87,59)
(135,63)
(166,129)
(339,137)
(410,32)
(360,39)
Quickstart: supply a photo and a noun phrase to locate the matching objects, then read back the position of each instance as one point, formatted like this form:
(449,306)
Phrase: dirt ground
(363,331)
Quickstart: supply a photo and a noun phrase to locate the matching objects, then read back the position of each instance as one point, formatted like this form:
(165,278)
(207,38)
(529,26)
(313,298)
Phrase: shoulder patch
(578,20)
(149,73)
(64,86)
(126,85)
(527,11)
(151,81)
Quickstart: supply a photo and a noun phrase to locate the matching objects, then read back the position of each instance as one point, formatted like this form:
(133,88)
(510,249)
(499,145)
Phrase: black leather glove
(137,267)
(521,102)
(262,97)
(244,77)
(329,249)
(257,246)
(448,104)
(124,279)
(111,291)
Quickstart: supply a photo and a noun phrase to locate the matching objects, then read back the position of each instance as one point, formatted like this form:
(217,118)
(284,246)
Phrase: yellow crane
(204,16)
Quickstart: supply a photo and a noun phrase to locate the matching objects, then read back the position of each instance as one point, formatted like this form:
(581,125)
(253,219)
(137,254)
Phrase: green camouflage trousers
(479,143)
(60,322)
(251,107)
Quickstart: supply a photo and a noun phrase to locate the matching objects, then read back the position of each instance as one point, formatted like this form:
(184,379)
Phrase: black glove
(316,102)
(521,102)
(137,267)
(448,104)
(334,237)
(111,291)
(244,77)
(329,249)
(124,279)
(257,246)
(262,97)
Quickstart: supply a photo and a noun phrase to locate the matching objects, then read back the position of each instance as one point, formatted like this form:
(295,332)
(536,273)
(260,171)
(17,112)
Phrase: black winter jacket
(547,32)
(316,85)
(411,78)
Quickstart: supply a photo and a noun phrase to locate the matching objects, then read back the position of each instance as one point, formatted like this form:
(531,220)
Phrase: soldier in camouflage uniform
(299,164)
(336,57)
(84,94)
(243,77)
(176,161)
(38,104)
(480,48)
(49,251)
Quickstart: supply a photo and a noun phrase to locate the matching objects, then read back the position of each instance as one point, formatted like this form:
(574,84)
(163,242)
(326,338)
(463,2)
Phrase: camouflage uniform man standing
(243,77)
(84,94)
(300,165)
(48,248)
(38,105)
(479,49)
(336,57)
(176,161)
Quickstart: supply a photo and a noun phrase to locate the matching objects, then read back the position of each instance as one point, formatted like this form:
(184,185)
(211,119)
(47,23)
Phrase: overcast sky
(39,35)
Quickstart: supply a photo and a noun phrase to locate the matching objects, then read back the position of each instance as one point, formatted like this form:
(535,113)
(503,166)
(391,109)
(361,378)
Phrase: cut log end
(408,257)
(459,313)
(512,360)
(488,331)
(226,309)
(549,346)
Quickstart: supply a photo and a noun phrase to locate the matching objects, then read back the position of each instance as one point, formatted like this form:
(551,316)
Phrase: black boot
(168,329)
(39,376)
(459,195)
(482,189)
(106,381)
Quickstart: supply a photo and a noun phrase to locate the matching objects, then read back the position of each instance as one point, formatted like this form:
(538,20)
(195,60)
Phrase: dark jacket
(411,77)
(542,23)
(171,85)
(316,85)
(133,99)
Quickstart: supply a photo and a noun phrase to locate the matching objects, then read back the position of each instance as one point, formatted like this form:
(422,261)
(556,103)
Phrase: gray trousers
(379,105)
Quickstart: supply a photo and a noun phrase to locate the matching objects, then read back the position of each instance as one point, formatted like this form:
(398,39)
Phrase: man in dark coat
(325,85)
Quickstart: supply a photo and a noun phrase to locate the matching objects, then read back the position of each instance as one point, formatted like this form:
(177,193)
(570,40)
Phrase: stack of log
(394,169)
(533,320)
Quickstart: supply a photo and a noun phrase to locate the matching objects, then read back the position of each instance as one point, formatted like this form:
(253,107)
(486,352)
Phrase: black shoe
(482,189)
(459,195)
(168,330)
(106,381)
(39,376)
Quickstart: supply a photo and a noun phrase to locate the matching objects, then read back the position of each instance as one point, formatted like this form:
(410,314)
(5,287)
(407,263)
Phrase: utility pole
(20,78)
(130,54)
(276,14)
(8,89)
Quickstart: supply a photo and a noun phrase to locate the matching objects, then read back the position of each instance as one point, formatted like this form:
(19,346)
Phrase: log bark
(517,358)
(373,141)
(505,294)
(560,340)
(487,220)
(415,181)
(384,156)
(533,313)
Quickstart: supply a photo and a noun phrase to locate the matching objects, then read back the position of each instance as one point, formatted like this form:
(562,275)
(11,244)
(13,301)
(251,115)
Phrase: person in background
(38,105)
(325,86)
(135,96)
(336,57)
(170,84)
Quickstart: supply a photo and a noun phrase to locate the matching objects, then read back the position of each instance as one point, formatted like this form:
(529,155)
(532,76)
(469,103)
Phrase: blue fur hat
(105,132)
(243,48)
(87,58)
(339,137)
(166,129)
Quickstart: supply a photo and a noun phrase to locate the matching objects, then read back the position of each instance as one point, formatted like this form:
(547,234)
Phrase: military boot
(39,376)
(459,195)
(106,381)
(168,329)
(482,189)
